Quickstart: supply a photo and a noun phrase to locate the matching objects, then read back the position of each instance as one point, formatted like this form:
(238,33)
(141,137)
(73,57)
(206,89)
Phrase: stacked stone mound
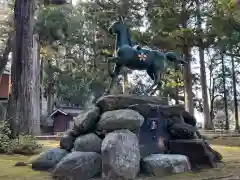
(105,141)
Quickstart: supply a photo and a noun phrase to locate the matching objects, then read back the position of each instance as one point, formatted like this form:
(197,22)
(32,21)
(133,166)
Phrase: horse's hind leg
(156,76)
(114,77)
(151,73)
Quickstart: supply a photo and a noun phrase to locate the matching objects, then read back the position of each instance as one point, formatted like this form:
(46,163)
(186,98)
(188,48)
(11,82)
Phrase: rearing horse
(135,57)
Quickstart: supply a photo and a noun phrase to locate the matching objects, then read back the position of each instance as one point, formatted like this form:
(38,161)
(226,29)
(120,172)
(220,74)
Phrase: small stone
(73,132)
(88,143)
(48,160)
(165,164)
(66,142)
(85,122)
(120,119)
(21,164)
(78,165)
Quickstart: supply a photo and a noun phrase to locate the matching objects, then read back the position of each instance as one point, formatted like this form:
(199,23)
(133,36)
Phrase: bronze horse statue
(135,57)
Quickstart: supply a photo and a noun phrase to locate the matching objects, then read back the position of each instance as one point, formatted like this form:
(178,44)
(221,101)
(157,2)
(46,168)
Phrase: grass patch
(228,170)
(226,141)
(10,172)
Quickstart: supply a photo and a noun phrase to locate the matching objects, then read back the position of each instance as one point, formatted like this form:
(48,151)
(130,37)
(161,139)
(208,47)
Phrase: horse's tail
(171,56)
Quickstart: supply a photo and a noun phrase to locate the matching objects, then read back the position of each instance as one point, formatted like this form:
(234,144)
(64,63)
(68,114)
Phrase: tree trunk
(41,87)
(36,86)
(177,83)
(50,98)
(235,94)
(225,92)
(50,90)
(189,105)
(206,111)
(212,100)
(188,93)
(21,100)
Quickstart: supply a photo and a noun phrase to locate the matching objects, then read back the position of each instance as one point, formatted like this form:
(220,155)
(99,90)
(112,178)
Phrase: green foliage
(53,24)
(23,144)
(170,24)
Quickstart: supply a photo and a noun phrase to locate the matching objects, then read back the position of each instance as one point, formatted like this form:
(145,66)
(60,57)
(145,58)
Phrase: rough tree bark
(224,90)
(234,81)
(21,103)
(189,104)
(206,109)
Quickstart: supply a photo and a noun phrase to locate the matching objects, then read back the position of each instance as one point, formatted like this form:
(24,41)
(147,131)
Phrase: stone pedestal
(196,150)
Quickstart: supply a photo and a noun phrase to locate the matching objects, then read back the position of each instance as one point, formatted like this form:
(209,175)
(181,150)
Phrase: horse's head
(116,27)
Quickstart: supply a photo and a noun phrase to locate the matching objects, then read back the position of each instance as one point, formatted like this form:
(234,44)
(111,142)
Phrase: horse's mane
(129,36)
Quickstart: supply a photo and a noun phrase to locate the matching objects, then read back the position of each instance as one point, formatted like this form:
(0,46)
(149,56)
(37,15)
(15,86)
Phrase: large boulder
(66,142)
(182,131)
(85,122)
(88,143)
(120,155)
(189,119)
(120,119)
(165,164)
(176,113)
(197,150)
(114,102)
(78,165)
(49,159)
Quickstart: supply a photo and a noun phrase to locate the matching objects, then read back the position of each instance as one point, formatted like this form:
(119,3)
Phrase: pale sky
(198,115)
(74,1)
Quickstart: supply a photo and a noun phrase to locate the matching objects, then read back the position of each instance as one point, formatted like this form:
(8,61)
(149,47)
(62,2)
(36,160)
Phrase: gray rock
(182,131)
(66,142)
(48,160)
(120,119)
(115,102)
(88,143)
(73,132)
(176,113)
(165,164)
(86,121)
(120,155)
(78,165)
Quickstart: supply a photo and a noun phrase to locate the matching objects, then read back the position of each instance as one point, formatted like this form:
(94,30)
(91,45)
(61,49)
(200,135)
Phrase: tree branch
(105,5)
